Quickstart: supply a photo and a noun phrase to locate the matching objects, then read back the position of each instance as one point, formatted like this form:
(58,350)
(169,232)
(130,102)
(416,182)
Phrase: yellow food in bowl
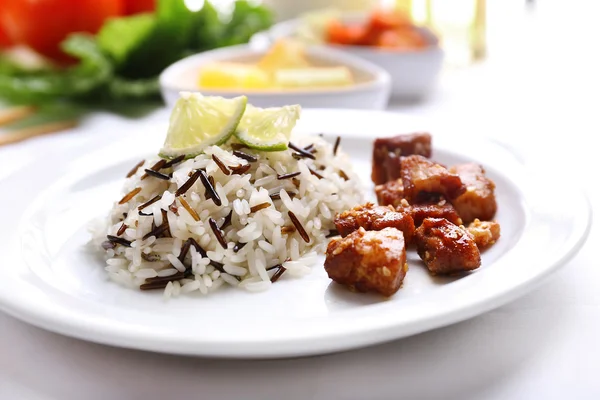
(227,75)
(285,66)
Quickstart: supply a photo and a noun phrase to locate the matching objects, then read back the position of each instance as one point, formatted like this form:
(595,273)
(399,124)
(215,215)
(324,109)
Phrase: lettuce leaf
(94,69)
(246,20)
(119,37)
(124,59)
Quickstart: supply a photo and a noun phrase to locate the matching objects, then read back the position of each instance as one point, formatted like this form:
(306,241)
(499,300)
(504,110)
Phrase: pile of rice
(259,242)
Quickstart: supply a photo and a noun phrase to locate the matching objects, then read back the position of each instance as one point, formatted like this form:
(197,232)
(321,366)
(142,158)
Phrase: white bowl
(371,92)
(414,73)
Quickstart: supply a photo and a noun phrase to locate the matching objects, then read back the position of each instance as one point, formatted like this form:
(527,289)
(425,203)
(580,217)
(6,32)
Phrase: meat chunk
(485,233)
(374,218)
(387,152)
(419,212)
(446,248)
(423,178)
(368,261)
(390,193)
(478,201)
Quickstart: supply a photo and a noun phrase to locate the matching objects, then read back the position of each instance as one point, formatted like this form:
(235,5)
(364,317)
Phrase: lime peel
(200,121)
(267,129)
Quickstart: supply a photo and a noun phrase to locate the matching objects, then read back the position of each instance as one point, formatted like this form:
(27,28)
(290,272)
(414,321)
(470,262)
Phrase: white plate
(50,278)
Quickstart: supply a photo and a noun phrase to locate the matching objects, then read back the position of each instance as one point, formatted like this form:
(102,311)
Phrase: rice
(274,217)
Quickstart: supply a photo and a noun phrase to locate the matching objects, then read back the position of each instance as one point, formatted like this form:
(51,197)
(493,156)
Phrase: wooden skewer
(33,131)
(14,114)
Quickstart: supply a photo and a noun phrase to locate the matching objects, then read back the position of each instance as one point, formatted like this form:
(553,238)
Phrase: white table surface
(539,90)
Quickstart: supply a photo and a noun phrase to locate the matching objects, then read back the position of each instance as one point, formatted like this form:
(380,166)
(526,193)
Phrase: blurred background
(61,60)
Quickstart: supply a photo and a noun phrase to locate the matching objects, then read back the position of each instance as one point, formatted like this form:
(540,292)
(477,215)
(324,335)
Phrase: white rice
(314,201)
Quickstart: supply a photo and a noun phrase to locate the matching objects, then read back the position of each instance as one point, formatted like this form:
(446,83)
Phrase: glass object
(461,25)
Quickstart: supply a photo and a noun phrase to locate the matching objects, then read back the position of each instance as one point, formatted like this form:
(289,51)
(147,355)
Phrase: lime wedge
(267,129)
(198,122)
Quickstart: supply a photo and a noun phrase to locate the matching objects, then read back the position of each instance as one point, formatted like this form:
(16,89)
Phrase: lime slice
(267,129)
(198,122)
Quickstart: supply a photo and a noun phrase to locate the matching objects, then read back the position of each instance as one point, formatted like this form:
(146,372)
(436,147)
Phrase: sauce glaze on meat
(368,260)
(387,152)
(374,218)
(446,248)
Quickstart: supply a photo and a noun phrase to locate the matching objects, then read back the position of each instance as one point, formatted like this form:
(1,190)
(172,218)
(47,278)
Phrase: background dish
(371,91)
(56,283)
(414,73)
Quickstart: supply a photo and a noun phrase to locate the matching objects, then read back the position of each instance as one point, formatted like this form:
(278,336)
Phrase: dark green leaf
(119,37)
(246,20)
(93,70)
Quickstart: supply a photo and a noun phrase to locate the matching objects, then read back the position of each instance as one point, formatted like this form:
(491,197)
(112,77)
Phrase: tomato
(43,24)
(138,6)
(401,39)
(338,33)
(5,41)
(383,20)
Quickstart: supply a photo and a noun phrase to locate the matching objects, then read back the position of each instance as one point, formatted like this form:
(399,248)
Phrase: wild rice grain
(188,184)
(227,220)
(299,227)
(259,207)
(221,166)
(287,229)
(278,274)
(241,169)
(122,229)
(218,233)
(300,151)
(135,169)
(130,195)
(155,167)
(336,145)
(154,285)
(288,176)
(150,202)
(189,209)
(245,156)
(210,189)
(156,232)
(185,248)
(118,240)
(315,173)
(157,174)
(174,161)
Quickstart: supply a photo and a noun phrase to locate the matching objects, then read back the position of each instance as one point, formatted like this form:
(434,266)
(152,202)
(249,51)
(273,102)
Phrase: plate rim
(75,329)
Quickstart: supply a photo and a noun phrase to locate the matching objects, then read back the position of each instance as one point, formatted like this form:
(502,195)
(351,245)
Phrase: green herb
(124,59)
(94,69)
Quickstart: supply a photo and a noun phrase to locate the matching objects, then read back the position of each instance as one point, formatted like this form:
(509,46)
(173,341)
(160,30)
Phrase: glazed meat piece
(446,248)
(478,201)
(423,178)
(374,218)
(419,212)
(485,233)
(387,152)
(368,261)
(390,193)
